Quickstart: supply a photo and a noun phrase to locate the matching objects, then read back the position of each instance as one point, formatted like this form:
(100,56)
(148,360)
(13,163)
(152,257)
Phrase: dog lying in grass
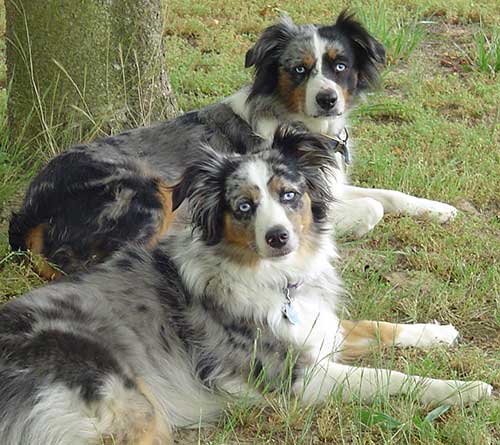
(241,302)
(96,197)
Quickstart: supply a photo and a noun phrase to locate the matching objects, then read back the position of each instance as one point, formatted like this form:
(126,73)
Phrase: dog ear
(314,158)
(265,55)
(369,51)
(203,185)
(273,38)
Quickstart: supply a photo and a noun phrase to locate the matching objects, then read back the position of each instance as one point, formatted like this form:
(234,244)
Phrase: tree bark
(85,65)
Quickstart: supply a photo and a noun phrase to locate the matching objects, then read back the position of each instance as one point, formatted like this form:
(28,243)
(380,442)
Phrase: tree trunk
(88,65)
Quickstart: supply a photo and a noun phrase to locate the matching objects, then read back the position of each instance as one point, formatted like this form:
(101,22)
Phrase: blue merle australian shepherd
(241,301)
(95,197)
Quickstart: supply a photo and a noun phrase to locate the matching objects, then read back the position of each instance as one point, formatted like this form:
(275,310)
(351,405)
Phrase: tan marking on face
(332,53)
(251,192)
(347,96)
(293,95)
(167,215)
(35,244)
(277,185)
(302,222)
(240,239)
(308,61)
(236,233)
(361,336)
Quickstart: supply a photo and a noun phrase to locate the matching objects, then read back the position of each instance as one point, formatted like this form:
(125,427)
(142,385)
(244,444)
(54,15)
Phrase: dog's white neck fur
(256,292)
(266,127)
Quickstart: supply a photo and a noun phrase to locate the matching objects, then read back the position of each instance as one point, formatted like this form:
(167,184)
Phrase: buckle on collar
(339,145)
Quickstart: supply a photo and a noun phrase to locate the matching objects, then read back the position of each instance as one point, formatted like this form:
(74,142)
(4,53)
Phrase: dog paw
(455,392)
(439,211)
(436,333)
(425,335)
(446,213)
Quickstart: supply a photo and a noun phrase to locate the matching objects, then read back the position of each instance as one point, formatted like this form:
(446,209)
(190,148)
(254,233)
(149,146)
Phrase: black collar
(339,144)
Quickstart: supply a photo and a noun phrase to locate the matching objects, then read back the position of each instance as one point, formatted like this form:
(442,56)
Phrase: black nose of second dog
(326,99)
(277,237)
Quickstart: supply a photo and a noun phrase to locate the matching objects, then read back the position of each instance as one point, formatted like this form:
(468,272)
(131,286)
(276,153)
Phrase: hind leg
(35,244)
(131,416)
(72,226)
(121,415)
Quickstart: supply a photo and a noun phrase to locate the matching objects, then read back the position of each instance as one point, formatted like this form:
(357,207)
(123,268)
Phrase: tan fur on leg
(361,336)
(158,432)
(132,416)
(165,195)
(35,244)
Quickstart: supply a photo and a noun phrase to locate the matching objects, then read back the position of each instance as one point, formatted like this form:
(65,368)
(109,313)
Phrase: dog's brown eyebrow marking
(332,53)
(250,191)
(335,51)
(277,184)
(308,60)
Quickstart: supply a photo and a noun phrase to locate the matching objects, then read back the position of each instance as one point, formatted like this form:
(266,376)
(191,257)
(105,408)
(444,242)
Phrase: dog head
(315,70)
(265,205)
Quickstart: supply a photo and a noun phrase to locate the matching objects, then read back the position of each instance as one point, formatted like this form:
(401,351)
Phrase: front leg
(360,336)
(401,203)
(320,381)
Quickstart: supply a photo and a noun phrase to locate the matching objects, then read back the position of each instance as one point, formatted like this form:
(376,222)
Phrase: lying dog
(96,197)
(245,301)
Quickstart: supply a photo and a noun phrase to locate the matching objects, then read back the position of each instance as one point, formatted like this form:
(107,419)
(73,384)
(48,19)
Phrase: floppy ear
(315,159)
(265,55)
(369,51)
(203,185)
(271,39)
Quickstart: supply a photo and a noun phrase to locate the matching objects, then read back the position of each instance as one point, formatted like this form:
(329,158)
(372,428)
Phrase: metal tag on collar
(345,152)
(344,148)
(287,309)
(341,145)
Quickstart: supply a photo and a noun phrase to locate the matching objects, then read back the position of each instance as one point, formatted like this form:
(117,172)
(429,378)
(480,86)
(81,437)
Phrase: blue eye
(340,67)
(288,196)
(300,69)
(244,207)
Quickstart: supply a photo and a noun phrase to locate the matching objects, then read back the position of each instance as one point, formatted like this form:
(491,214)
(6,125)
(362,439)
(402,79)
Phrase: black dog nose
(326,99)
(277,237)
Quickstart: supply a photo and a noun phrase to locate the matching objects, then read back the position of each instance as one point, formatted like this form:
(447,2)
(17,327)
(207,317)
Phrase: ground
(431,130)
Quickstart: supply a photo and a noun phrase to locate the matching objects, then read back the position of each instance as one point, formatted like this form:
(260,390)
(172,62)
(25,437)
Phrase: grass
(433,131)
(487,55)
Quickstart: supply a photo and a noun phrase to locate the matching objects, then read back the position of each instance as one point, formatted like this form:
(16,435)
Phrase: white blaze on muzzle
(318,83)
(270,213)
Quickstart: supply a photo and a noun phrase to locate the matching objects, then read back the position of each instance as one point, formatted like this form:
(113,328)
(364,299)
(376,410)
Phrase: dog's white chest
(312,325)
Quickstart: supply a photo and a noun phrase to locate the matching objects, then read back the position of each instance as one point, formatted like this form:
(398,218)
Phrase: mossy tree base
(90,66)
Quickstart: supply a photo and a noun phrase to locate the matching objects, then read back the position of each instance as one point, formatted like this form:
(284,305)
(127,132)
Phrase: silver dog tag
(290,313)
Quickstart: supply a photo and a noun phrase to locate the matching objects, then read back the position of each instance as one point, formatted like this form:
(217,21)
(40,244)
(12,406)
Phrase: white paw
(455,392)
(436,333)
(438,211)
(425,335)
